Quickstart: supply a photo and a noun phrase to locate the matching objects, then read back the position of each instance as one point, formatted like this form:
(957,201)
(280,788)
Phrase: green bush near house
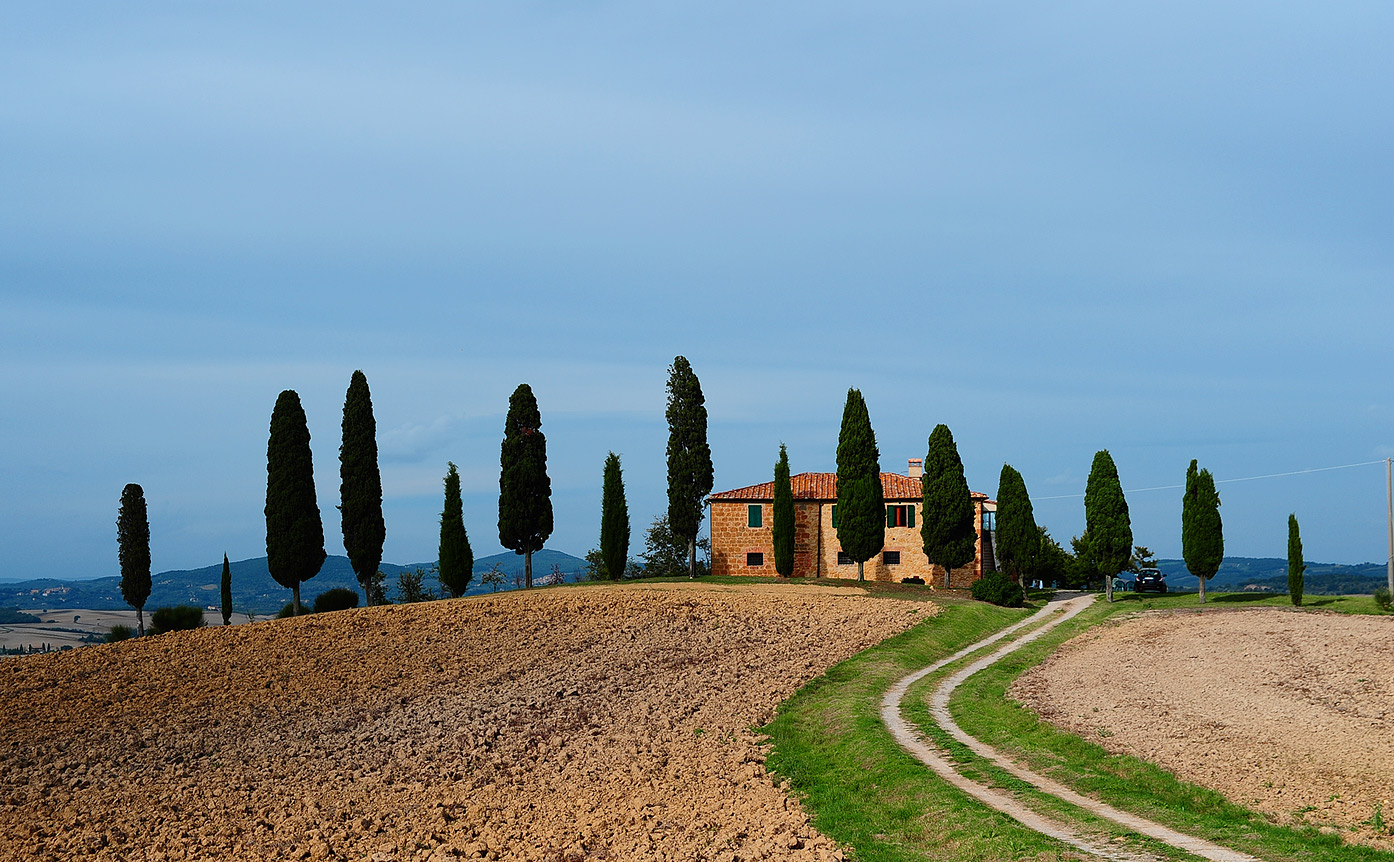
(1383,600)
(996,588)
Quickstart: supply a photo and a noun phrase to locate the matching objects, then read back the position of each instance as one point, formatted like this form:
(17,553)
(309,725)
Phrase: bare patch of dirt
(600,723)
(1287,713)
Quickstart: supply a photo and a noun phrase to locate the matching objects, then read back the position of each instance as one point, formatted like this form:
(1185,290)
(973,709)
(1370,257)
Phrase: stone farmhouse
(743,543)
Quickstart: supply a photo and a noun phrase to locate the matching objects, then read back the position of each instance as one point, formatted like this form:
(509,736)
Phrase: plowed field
(568,724)
(1287,713)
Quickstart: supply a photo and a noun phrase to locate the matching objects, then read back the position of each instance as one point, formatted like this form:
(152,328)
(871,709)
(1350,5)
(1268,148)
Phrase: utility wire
(1226,481)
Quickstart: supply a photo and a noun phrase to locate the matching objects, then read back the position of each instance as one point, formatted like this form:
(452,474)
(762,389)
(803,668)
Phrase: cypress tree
(783,526)
(360,488)
(455,567)
(1018,536)
(690,472)
(525,492)
(294,531)
(1296,567)
(133,550)
(614,520)
(1108,531)
(861,502)
(227,592)
(1202,533)
(948,529)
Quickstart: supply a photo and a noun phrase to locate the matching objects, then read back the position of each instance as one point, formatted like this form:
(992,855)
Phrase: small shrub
(337,599)
(913,579)
(411,587)
(176,619)
(1383,600)
(996,588)
(120,633)
(286,612)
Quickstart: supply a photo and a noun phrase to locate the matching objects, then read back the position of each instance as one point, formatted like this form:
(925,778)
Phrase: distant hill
(253,588)
(1322,579)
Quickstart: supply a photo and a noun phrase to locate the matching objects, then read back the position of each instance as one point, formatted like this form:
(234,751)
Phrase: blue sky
(1162,231)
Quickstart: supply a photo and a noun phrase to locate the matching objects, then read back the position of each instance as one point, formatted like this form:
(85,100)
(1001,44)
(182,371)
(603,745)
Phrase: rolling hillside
(253,589)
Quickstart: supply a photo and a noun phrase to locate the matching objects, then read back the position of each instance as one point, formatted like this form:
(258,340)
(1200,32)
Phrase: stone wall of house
(816,546)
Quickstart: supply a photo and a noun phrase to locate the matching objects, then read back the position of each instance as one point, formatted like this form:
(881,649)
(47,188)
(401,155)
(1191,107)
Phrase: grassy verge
(865,792)
(982,708)
(1337,604)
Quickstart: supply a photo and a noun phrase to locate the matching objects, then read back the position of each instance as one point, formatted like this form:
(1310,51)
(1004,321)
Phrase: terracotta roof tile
(823,486)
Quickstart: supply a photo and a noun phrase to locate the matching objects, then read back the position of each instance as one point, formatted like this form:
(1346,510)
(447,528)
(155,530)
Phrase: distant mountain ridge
(253,588)
(1321,579)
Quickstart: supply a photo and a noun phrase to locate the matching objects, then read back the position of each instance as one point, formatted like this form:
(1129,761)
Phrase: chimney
(916,468)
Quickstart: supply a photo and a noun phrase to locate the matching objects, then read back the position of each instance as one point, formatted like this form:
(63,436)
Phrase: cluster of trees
(1024,550)
(1027,551)
(673,540)
(295,533)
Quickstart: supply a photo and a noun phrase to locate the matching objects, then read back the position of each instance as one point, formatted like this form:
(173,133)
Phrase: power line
(1226,481)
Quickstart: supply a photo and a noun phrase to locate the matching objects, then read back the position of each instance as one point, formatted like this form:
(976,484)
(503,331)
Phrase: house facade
(743,542)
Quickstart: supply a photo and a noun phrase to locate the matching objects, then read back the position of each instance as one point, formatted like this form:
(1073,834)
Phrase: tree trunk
(860,576)
(527,570)
(295,593)
(1108,587)
(1202,590)
(946,577)
(692,558)
(140,620)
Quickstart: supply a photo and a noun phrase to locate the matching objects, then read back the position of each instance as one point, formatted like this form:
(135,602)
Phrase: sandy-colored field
(600,723)
(57,629)
(1287,713)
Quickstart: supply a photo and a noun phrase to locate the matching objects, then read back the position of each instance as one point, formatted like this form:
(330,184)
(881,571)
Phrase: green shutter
(834,516)
(754,516)
(911,513)
(890,516)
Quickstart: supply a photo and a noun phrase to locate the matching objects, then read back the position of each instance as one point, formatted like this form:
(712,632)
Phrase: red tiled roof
(823,486)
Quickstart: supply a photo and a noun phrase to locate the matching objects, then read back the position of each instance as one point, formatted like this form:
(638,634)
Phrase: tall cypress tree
(294,531)
(861,502)
(133,550)
(226,592)
(360,488)
(1202,533)
(690,472)
(948,529)
(1018,535)
(525,492)
(783,526)
(456,561)
(1108,530)
(1296,567)
(614,520)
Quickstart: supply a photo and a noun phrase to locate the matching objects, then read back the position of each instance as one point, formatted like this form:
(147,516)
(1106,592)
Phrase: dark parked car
(1150,581)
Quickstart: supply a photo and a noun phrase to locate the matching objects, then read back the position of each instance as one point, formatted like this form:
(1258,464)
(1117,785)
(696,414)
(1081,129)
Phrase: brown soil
(1288,713)
(600,723)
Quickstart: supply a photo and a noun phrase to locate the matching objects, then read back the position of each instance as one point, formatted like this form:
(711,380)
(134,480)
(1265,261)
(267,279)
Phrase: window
(755,516)
(834,516)
(989,520)
(843,558)
(754,559)
(900,516)
(890,558)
